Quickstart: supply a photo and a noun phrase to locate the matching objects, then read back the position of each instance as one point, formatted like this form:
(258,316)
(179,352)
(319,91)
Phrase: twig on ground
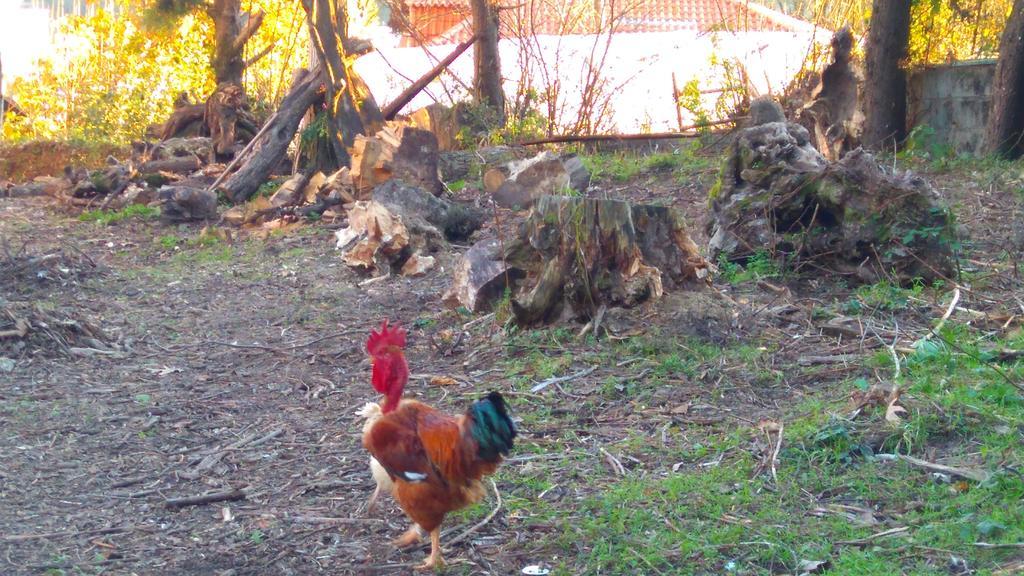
(1004,545)
(469,531)
(614,462)
(558,380)
(873,537)
(44,535)
(222,496)
(976,475)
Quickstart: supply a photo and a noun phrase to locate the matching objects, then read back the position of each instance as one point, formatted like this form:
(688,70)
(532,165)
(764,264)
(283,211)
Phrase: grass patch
(623,167)
(711,515)
(108,217)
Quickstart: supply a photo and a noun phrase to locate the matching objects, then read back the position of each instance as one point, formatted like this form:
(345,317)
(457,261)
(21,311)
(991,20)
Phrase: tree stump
(778,196)
(578,255)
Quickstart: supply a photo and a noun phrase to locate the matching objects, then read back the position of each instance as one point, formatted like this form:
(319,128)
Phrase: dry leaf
(683,408)
(442,381)
(893,410)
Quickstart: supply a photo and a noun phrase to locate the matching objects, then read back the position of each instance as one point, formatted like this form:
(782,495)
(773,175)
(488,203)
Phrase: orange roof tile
(580,17)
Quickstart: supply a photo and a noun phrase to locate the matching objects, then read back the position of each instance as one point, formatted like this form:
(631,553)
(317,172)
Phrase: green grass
(624,167)
(108,217)
(713,516)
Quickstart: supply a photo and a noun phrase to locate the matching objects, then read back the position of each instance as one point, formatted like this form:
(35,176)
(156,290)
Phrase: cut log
(383,241)
(267,151)
(291,192)
(481,277)
(186,121)
(397,151)
(179,165)
(517,185)
(576,255)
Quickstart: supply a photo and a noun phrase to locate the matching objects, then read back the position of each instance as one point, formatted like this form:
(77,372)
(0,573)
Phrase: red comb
(386,337)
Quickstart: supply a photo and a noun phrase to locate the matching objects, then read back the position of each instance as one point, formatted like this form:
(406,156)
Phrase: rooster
(434,461)
(371,412)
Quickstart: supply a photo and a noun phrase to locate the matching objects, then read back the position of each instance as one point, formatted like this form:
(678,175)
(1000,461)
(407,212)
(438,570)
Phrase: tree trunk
(232,29)
(487,88)
(350,105)
(885,85)
(1005,128)
(270,146)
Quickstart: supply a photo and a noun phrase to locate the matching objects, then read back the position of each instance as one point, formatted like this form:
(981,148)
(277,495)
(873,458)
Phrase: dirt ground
(173,367)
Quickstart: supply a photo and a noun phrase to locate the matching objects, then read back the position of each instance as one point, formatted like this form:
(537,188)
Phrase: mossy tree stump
(577,255)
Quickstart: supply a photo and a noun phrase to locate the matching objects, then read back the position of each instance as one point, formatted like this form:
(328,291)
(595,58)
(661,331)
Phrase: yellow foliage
(111,77)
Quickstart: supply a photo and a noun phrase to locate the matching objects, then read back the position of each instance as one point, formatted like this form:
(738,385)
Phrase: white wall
(639,69)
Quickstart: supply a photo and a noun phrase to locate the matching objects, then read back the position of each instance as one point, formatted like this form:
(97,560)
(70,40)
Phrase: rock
(579,175)
(181,204)
(480,277)
(397,151)
(456,221)
(777,194)
(525,181)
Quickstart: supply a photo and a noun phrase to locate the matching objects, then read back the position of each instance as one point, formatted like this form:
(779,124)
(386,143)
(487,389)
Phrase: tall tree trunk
(350,105)
(1005,130)
(232,29)
(885,83)
(487,88)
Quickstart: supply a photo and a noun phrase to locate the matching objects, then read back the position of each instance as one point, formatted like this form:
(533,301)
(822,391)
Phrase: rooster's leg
(411,536)
(435,561)
(371,506)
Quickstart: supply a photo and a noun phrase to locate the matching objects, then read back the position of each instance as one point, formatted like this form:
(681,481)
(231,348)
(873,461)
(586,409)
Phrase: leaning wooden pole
(392,109)
(270,147)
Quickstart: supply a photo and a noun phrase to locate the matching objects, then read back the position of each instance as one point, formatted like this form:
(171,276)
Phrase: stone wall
(953,100)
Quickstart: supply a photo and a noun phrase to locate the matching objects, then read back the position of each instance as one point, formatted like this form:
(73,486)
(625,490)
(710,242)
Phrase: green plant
(108,217)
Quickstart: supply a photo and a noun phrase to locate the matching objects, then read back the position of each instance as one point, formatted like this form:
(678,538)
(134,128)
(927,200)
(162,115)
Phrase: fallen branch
(43,535)
(393,108)
(542,385)
(686,132)
(223,496)
(976,475)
